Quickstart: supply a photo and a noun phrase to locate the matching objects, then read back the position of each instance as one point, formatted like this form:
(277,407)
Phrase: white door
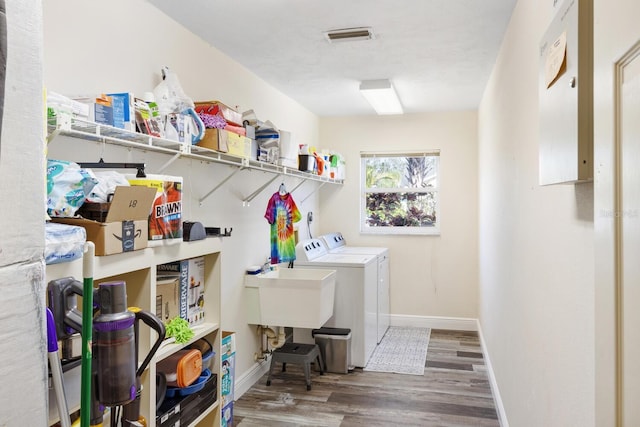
(629,217)
(616,212)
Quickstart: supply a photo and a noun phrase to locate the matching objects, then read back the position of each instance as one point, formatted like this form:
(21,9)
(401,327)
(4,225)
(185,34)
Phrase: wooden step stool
(301,354)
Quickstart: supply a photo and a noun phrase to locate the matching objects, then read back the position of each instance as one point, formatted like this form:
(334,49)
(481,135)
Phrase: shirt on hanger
(281,213)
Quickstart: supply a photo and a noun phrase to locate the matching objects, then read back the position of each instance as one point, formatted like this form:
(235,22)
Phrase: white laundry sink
(299,298)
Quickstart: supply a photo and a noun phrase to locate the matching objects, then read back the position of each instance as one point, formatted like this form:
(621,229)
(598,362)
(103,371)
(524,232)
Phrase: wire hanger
(282,190)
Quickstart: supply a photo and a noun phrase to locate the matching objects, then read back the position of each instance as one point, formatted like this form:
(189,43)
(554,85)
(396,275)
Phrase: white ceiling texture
(437,53)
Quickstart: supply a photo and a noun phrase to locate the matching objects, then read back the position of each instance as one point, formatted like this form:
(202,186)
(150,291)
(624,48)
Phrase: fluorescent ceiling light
(381,96)
(349,34)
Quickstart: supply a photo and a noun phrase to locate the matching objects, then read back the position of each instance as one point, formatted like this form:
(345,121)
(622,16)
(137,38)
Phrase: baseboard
(249,378)
(434,322)
(502,416)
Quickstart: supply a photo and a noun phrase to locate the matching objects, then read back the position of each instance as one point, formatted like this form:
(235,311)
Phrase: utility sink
(299,298)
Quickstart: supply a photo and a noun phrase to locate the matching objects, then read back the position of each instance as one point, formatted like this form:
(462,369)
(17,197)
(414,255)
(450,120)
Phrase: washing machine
(336,243)
(355,305)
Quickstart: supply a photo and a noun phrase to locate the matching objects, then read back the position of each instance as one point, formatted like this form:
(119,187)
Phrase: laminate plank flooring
(453,392)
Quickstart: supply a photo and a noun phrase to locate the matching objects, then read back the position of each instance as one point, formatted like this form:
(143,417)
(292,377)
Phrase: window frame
(395,230)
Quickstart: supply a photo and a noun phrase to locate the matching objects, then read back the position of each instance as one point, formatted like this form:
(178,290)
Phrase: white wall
(430,275)
(23,339)
(536,249)
(93,47)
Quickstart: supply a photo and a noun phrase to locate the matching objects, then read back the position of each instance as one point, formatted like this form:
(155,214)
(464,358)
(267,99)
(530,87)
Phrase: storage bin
(335,348)
(181,368)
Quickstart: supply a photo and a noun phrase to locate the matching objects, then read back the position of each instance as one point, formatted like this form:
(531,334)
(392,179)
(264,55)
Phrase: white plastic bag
(169,94)
(106,187)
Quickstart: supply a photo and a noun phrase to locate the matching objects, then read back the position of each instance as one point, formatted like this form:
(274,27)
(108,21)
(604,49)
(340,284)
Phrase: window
(399,193)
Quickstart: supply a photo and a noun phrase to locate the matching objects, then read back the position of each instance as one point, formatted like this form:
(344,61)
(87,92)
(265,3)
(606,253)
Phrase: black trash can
(335,348)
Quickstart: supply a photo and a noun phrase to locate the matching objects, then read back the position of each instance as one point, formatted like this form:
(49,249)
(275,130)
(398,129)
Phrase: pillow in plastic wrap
(63,242)
(67,187)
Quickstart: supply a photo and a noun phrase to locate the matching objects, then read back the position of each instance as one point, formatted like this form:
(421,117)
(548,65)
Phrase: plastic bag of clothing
(67,187)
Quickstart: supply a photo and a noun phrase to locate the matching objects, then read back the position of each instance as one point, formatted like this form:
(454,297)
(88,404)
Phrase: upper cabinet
(566,95)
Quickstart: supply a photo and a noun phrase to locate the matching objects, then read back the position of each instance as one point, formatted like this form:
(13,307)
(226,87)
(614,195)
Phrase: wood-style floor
(454,391)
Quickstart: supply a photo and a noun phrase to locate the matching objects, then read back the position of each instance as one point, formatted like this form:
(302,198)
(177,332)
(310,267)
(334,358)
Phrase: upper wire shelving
(82,129)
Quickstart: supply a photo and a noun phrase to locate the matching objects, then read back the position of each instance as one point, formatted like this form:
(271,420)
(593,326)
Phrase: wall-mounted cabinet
(566,95)
(138,270)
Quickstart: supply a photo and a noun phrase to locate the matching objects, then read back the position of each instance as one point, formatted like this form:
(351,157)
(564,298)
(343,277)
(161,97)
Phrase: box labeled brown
(125,226)
(165,219)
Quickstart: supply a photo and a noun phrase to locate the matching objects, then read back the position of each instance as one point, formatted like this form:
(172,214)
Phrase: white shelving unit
(138,270)
(91,131)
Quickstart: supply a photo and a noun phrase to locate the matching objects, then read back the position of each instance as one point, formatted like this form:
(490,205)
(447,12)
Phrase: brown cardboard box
(214,139)
(125,228)
(218,108)
(226,142)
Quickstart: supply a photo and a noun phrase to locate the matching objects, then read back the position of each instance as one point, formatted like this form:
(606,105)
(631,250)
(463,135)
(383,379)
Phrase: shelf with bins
(81,129)
(138,270)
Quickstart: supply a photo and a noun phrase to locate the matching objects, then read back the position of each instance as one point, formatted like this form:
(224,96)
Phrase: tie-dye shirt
(281,213)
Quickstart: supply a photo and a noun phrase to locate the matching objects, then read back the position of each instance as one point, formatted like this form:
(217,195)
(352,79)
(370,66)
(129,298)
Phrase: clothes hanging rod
(115,165)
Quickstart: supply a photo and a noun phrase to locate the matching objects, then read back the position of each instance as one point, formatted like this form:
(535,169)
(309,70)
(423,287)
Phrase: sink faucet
(266,266)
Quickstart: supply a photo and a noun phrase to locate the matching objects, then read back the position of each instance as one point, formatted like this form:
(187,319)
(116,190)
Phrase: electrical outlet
(310,217)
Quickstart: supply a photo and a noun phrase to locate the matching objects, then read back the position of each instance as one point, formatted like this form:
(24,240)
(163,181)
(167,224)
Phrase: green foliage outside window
(401,191)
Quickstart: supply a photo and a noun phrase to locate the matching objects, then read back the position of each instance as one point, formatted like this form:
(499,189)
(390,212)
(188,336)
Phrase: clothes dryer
(336,243)
(355,305)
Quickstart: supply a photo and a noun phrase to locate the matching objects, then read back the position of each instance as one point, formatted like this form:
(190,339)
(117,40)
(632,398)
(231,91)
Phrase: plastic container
(335,348)
(182,368)
(197,385)
(208,354)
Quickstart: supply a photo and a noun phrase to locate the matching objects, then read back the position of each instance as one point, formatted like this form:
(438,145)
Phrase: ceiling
(437,53)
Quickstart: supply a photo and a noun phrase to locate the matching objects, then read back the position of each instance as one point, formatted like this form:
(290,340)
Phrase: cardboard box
(167,297)
(238,145)
(123,111)
(165,220)
(103,110)
(226,142)
(228,361)
(125,227)
(195,298)
(178,271)
(213,141)
(218,108)
(226,417)
(190,275)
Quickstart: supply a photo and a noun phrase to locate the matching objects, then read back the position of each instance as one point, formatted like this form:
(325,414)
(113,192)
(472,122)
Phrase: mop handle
(87,328)
(56,371)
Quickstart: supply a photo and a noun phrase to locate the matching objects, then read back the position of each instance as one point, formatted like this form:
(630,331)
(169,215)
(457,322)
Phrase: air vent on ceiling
(349,34)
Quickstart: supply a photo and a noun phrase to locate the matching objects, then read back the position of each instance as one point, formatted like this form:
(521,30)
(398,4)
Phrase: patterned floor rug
(403,350)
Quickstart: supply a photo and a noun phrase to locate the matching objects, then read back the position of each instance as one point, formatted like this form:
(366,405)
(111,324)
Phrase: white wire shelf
(81,129)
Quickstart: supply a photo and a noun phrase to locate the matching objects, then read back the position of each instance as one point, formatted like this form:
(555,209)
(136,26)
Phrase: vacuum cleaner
(114,371)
